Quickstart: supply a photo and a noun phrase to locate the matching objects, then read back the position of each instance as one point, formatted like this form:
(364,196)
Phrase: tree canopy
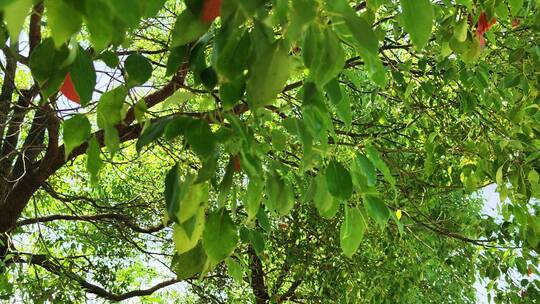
(269,151)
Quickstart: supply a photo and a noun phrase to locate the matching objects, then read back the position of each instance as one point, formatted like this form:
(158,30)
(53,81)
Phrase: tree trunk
(257,278)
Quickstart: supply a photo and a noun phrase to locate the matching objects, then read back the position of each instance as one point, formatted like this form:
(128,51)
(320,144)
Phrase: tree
(259,137)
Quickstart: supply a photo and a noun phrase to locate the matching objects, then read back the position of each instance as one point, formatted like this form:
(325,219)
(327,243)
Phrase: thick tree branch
(34,35)
(257,278)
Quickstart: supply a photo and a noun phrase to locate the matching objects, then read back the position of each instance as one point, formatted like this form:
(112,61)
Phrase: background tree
(277,131)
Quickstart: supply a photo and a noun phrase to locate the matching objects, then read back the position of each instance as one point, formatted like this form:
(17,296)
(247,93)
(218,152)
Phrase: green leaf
(322,199)
(129,11)
(208,169)
(110,59)
(256,238)
(220,236)
(376,209)
(93,159)
(109,113)
(138,69)
(48,66)
(112,139)
(173,193)
(150,134)
(352,231)
(99,21)
(201,138)
(140,110)
(340,101)
(235,270)
(460,30)
(152,7)
(187,28)
(209,78)
(232,48)
(187,235)
(176,58)
(83,75)
(338,180)
(195,197)
(231,92)
(14,15)
(330,213)
(76,131)
(254,195)
(302,13)
(376,159)
(63,20)
(364,167)
(280,195)
(362,32)
(189,264)
(109,108)
(268,75)
(323,55)
(466,3)
(417,20)
(515,6)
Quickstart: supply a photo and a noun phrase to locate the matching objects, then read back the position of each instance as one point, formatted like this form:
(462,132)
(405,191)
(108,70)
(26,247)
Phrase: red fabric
(483,26)
(211,10)
(68,89)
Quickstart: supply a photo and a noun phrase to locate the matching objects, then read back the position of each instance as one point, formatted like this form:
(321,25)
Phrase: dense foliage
(312,151)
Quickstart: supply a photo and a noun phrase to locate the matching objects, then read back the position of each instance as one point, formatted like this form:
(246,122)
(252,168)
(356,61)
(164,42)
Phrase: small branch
(45,262)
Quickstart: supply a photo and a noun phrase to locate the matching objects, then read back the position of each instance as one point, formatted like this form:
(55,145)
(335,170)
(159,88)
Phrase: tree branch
(128,221)
(45,262)
(257,277)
